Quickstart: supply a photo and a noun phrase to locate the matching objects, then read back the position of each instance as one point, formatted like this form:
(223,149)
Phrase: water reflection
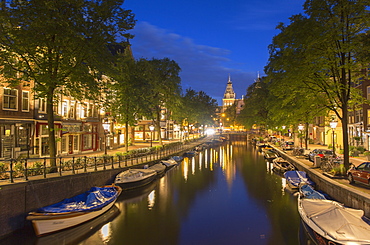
(225,195)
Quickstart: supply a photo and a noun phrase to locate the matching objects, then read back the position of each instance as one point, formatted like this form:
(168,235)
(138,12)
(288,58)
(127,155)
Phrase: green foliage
(69,54)
(3,169)
(312,60)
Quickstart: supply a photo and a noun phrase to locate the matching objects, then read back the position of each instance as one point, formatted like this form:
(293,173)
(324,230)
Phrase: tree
(129,89)
(164,89)
(316,53)
(197,108)
(60,46)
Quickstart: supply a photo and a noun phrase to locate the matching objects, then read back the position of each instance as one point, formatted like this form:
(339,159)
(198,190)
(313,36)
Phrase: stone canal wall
(348,196)
(16,200)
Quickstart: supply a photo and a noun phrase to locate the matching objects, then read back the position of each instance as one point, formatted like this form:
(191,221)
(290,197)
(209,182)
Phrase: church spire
(229,92)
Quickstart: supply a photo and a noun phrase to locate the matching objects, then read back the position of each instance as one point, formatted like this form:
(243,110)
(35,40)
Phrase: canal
(224,195)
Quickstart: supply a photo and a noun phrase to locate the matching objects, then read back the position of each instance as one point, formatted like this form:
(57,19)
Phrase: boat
(177,158)
(169,163)
(75,210)
(133,178)
(295,178)
(270,154)
(281,165)
(160,168)
(77,234)
(329,222)
(190,153)
(307,191)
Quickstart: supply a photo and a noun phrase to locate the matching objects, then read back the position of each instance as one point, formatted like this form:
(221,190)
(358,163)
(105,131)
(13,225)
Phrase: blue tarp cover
(309,192)
(297,177)
(95,198)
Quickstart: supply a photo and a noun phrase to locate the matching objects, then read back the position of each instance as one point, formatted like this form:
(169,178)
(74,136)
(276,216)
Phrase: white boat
(74,211)
(329,222)
(133,178)
(169,163)
(158,167)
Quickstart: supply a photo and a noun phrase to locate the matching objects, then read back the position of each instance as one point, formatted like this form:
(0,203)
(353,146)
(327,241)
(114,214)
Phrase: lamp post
(151,127)
(333,125)
(300,128)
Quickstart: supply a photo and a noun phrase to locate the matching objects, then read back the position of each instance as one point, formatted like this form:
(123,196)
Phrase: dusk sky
(210,39)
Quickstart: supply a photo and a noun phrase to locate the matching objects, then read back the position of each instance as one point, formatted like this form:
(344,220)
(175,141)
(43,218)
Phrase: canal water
(224,195)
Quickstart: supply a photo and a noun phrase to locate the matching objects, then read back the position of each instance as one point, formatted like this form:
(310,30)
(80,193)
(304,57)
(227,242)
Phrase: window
(83,110)
(72,110)
(25,100)
(10,99)
(64,109)
(42,105)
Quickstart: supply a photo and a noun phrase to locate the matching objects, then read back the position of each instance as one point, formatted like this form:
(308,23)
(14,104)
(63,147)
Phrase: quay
(351,195)
(21,196)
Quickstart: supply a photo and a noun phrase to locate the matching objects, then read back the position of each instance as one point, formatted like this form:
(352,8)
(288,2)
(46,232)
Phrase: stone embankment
(21,197)
(356,196)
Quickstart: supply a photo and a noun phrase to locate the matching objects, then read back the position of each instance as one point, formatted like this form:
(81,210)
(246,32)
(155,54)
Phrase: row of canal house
(81,126)
(322,132)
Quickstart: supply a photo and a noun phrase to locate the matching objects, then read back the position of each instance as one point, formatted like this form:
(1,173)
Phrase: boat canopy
(341,223)
(95,198)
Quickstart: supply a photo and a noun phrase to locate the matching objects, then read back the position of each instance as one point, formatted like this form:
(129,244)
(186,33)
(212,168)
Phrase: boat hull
(46,223)
(136,184)
(53,224)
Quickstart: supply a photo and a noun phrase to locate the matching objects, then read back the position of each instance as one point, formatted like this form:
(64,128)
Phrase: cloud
(204,68)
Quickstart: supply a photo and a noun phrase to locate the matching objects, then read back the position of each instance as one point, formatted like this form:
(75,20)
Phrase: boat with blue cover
(295,178)
(75,210)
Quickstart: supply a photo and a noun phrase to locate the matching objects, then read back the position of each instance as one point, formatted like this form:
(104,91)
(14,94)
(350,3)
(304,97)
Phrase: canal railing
(25,169)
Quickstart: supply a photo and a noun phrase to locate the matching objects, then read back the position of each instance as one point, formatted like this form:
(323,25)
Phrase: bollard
(112,162)
(95,167)
(104,159)
(119,161)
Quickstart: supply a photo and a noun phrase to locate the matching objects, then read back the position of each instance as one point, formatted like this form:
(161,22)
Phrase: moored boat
(75,210)
(177,158)
(270,154)
(281,165)
(169,163)
(329,222)
(160,168)
(295,178)
(133,178)
(307,191)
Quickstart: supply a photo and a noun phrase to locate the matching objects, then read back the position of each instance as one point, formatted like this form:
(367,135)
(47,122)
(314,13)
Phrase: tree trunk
(158,124)
(126,136)
(51,127)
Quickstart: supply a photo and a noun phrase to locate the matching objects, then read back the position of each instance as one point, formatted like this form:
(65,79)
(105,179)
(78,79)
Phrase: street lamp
(300,128)
(333,125)
(151,127)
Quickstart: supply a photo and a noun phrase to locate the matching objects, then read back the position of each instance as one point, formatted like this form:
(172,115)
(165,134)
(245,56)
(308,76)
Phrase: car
(360,174)
(288,145)
(319,152)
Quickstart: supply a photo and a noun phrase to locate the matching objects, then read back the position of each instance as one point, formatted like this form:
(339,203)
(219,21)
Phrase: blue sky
(210,39)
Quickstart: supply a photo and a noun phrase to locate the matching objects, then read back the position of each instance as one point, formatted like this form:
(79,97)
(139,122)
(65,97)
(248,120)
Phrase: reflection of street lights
(151,127)
(300,128)
(333,125)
